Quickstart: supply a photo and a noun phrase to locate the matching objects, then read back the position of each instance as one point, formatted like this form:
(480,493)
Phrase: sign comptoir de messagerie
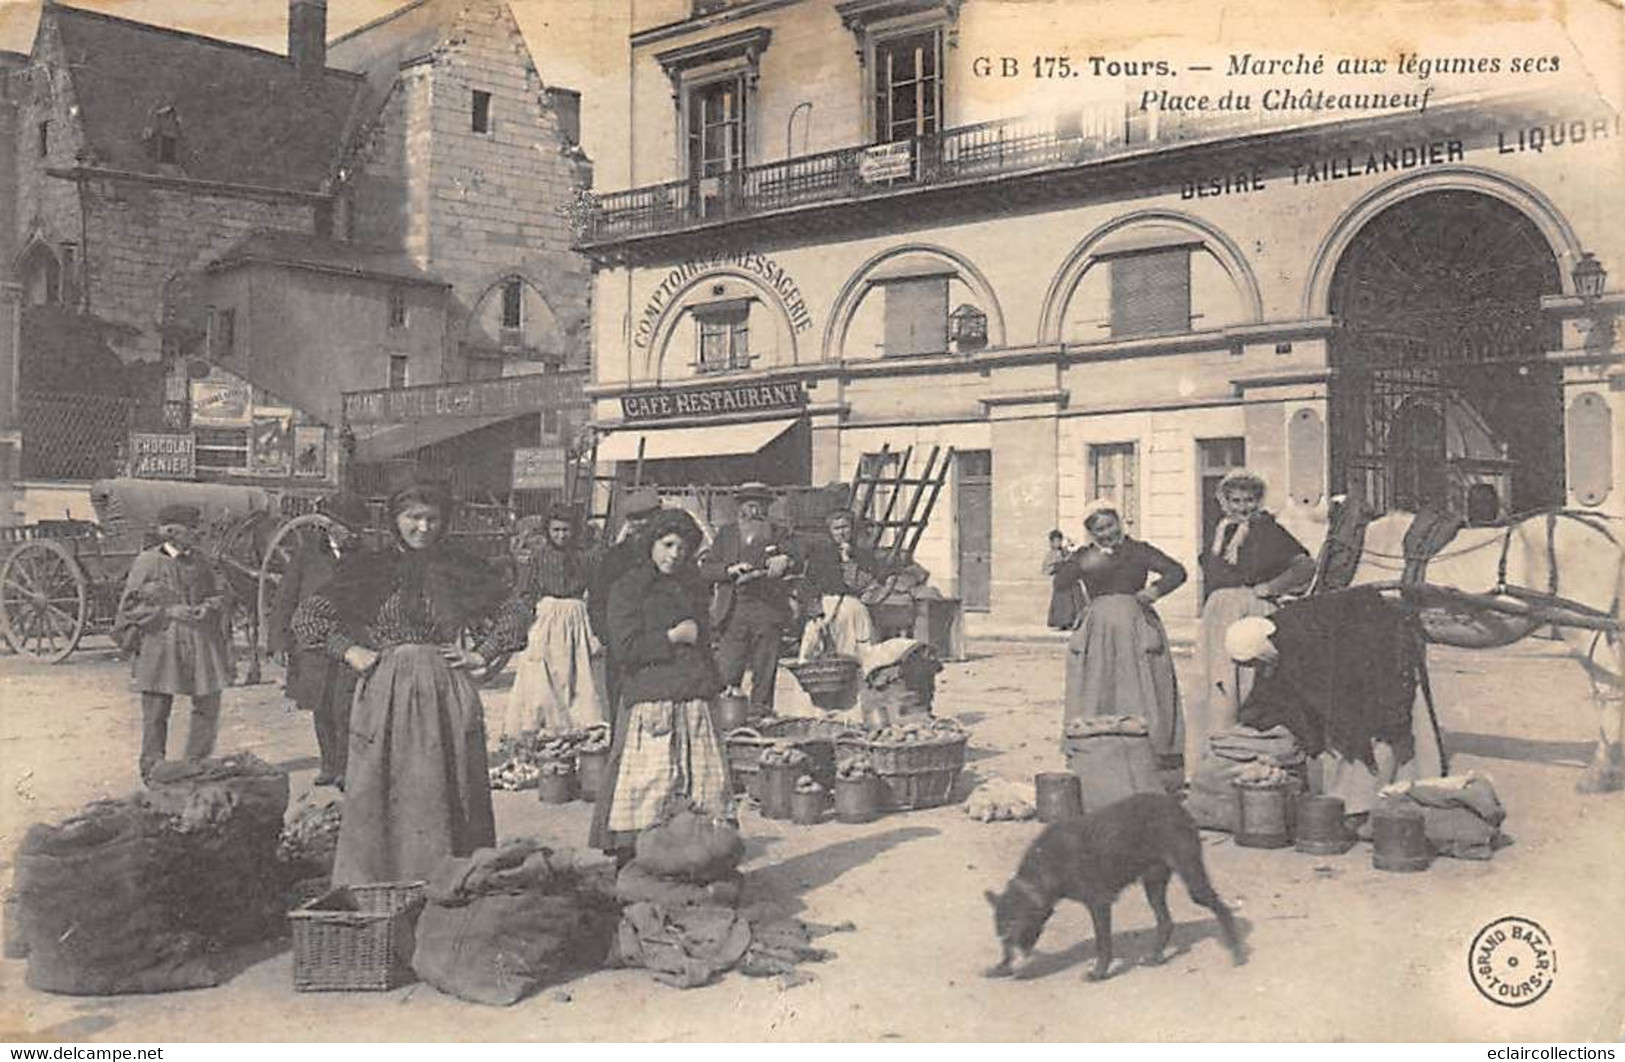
(713,401)
(759,265)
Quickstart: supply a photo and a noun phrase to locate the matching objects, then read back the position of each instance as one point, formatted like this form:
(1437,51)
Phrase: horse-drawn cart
(60,580)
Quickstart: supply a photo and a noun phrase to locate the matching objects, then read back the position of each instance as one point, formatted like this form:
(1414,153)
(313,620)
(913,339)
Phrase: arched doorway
(1440,380)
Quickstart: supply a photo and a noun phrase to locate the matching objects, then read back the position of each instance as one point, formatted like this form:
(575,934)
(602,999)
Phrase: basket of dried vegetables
(915,763)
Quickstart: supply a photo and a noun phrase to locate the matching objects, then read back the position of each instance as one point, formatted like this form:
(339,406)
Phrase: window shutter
(917,316)
(1151,293)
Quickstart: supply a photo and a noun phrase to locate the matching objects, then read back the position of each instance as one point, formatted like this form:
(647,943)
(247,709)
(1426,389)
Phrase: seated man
(1341,671)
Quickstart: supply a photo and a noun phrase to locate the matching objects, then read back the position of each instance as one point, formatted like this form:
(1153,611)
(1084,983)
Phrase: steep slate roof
(299,251)
(246,116)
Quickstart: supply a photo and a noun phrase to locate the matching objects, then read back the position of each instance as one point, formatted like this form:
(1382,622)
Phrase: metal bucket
(1060,796)
(778,787)
(856,799)
(1320,829)
(1263,817)
(807,809)
(1399,841)
(590,770)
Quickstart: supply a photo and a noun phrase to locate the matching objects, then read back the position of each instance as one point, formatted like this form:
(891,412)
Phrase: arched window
(41,274)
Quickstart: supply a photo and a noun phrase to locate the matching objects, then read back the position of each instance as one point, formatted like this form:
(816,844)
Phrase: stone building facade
(846,226)
(189,209)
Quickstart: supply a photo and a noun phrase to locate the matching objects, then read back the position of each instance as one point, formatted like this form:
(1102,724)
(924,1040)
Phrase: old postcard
(812,520)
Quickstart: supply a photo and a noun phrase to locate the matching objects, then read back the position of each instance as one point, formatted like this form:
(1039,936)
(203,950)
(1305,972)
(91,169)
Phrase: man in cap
(637,506)
(171,616)
(315,681)
(748,564)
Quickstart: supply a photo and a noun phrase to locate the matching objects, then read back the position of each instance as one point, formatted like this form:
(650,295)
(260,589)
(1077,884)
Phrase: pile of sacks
(505,922)
(682,921)
(142,894)
(1212,796)
(1461,815)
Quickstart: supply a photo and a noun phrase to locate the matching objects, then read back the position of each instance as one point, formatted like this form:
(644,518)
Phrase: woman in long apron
(1118,658)
(1249,562)
(559,679)
(417,787)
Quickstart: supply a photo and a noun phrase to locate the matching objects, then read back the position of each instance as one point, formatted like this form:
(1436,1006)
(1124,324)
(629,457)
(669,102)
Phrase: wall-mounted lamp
(1590,278)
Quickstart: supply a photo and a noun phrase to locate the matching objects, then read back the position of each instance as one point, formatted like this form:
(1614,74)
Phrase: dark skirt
(315,680)
(418,786)
(1065,605)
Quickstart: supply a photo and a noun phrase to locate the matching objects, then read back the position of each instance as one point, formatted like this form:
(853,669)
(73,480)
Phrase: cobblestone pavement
(1339,950)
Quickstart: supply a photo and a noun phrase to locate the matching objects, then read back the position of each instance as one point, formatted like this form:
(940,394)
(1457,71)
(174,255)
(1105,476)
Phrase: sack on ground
(692,846)
(1461,815)
(683,947)
(501,947)
(98,909)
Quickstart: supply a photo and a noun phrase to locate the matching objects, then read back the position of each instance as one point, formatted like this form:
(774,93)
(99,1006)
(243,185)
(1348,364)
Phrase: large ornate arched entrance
(1440,380)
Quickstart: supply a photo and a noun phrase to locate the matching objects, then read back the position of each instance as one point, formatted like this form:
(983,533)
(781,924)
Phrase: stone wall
(477,209)
(143,235)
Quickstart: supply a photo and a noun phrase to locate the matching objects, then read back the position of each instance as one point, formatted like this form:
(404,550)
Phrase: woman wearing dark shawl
(665,751)
(417,783)
(1249,562)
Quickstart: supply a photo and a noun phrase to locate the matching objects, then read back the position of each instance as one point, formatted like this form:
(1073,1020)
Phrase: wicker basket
(356,938)
(915,775)
(815,737)
(828,680)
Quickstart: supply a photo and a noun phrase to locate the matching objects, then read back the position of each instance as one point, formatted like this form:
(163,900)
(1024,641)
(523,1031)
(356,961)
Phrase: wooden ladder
(897,534)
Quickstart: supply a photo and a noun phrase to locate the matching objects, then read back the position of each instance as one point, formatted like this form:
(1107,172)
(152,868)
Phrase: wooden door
(974,515)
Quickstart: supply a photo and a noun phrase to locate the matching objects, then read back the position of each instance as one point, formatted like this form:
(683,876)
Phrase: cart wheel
(44,600)
(289,539)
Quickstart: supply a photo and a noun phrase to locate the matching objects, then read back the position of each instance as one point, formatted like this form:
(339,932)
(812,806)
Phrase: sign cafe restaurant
(1094,303)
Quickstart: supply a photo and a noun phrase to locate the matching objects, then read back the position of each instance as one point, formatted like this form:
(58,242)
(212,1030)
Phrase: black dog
(1092,859)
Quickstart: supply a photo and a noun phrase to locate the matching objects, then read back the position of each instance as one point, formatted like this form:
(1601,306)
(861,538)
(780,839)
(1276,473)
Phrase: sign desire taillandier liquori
(713,401)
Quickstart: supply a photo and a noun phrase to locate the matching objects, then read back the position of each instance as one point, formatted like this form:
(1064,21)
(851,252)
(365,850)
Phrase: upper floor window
(163,136)
(44,135)
(41,274)
(1151,292)
(712,82)
(907,85)
(716,127)
(222,332)
(480,119)
(724,339)
(513,304)
(397,370)
(397,307)
(902,45)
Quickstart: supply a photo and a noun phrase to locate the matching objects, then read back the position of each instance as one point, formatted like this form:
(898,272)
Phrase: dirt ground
(1339,951)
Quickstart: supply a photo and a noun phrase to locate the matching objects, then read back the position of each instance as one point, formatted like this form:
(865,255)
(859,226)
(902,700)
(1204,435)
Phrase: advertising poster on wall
(270,447)
(310,451)
(221,403)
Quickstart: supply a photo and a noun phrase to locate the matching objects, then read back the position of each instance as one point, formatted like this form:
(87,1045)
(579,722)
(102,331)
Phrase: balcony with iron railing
(964,154)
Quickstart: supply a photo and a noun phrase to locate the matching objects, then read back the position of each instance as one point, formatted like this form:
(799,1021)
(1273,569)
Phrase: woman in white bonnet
(1118,661)
(1249,562)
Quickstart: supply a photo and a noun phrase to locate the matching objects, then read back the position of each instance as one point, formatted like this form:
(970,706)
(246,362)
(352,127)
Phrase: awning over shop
(384,441)
(712,440)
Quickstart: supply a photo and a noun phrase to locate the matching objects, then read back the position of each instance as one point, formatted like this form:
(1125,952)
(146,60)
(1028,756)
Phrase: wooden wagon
(60,580)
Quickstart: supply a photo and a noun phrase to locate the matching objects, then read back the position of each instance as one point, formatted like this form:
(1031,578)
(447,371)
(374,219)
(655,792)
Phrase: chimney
(307,36)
